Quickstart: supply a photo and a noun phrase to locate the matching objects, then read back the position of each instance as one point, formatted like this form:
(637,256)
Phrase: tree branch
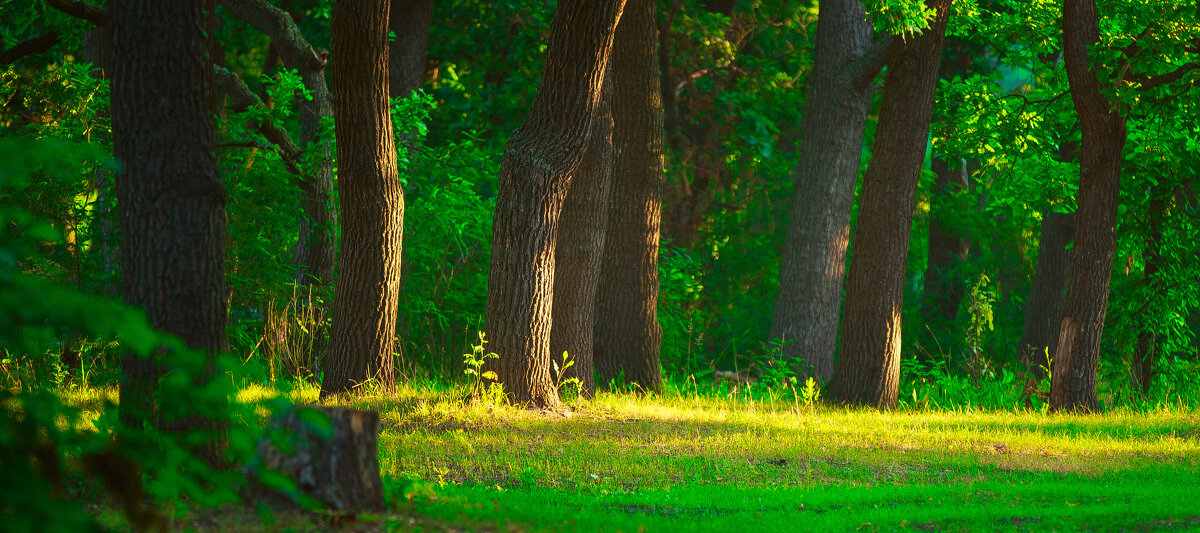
(1150,82)
(75,8)
(34,45)
(242,98)
(862,71)
(293,48)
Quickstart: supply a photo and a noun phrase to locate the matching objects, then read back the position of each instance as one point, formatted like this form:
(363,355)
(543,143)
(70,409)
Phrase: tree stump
(331,454)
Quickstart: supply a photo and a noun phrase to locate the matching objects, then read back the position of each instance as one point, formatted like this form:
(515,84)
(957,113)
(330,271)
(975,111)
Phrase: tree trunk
(535,176)
(1145,352)
(628,335)
(1077,351)
(580,247)
(1043,307)
(868,367)
(948,247)
(814,255)
(335,461)
(171,200)
(409,20)
(372,203)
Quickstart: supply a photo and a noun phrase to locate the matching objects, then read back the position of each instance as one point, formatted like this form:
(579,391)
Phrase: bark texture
(363,332)
(314,252)
(868,366)
(1073,380)
(171,201)
(814,255)
(409,20)
(628,335)
(580,247)
(535,175)
(1043,307)
(336,464)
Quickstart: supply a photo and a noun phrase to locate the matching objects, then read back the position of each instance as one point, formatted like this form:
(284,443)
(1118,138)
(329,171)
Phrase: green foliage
(573,386)
(479,379)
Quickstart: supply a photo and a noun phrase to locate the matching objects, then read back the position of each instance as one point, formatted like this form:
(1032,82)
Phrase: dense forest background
(991,225)
(930,205)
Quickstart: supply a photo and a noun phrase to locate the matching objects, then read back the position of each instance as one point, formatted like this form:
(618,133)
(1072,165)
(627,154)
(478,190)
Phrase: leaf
(490,375)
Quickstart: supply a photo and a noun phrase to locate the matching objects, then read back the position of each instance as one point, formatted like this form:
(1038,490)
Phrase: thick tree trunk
(368,284)
(628,335)
(409,20)
(535,177)
(1077,351)
(814,255)
(580,248)
(171,201)
(336,463)
(868,367)
(1043,307)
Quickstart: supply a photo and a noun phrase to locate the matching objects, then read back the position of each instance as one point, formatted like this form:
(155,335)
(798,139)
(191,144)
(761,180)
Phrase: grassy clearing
(700,462)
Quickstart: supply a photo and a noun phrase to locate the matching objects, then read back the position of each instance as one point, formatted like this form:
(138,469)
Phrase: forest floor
(697,462)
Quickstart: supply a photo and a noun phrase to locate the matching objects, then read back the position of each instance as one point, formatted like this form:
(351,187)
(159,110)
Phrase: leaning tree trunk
(535,177)
(372,203)
(628,335)
(1043,307)
(580,247)
(409,20)
(1077,352)
(868,367)
(814,255)
(171,201)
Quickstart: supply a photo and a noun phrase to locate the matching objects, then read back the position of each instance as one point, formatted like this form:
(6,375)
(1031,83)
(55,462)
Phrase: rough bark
(1043,307)
(579,249)
(628,335)
(868,366)
(314,254)
(334,461)
(814,256)
(409,20)
(363,332)
(1077,352)
(535,176)
(171,201)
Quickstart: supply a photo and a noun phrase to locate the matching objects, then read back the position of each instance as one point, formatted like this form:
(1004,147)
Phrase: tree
(1043,306)
(868,366)
(372,203)
(628,336)
(535,177)
(314,252)
(1077,351)
(580,247)
(171,200)
(814,255)
(409,20)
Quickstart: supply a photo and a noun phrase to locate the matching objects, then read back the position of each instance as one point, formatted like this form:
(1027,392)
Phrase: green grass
(708,462)
(693,462)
